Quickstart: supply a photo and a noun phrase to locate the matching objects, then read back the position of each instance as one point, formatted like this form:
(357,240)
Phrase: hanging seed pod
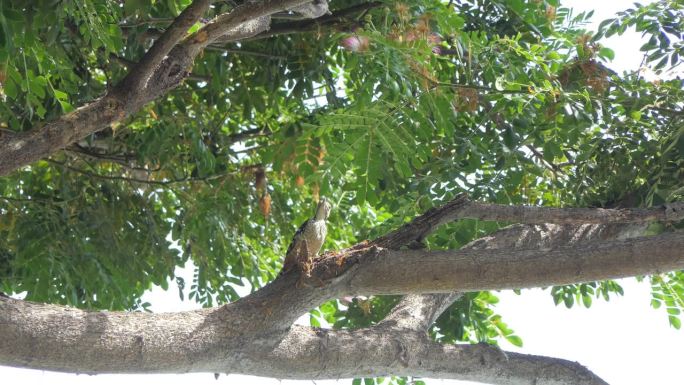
(265,204)
(260,180)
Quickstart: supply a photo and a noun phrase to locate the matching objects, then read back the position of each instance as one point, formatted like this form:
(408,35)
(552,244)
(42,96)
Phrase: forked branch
(254,335)
(162,69)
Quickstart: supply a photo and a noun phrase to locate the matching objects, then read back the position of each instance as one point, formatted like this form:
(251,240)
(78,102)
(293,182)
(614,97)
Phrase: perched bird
(308,240)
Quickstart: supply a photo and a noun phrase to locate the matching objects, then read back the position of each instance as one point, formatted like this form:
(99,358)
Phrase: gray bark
(255,334)
(375,271)
(215,340)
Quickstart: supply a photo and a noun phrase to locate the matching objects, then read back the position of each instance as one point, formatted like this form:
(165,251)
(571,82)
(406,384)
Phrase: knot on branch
(169,75)
(491,353)
(335,263)
(674,211)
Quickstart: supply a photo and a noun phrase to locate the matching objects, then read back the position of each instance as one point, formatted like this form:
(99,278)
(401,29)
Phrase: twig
(216,47)
(540,156)
(136,180)
(145,22)
(248,134)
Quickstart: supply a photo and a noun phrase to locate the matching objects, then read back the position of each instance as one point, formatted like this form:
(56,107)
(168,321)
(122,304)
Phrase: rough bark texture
(255,334)
(376,271)
(62,339)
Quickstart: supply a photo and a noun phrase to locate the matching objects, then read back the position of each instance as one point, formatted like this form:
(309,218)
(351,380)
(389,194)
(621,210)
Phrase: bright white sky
(624,341)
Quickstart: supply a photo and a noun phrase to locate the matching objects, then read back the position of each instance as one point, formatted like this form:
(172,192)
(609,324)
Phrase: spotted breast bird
(308,240)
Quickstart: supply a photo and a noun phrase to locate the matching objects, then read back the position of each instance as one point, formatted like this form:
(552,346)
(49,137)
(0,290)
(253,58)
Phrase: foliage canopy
(388,110)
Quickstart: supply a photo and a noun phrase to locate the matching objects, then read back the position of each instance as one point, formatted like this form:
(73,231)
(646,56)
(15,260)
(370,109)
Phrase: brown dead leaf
(265,204)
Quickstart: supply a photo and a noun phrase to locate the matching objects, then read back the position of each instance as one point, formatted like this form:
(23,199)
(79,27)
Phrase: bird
(307,241)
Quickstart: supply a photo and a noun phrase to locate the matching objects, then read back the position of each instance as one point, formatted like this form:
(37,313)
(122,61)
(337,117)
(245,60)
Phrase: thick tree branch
(338,20)
(131,64)
(392,351)
(542,215)
(224,340)
(418,311)
(381,271)
(23,148)
(550,235)
(622,224)
(565,256)
(461,207)
(418,228)
(136,80)
(59,338)
(252,335)
(223,26)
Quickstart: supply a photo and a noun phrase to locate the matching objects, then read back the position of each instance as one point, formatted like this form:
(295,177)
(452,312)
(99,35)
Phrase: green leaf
(13,15)
(515,340)
(61,96)
(607,53)
(569,301)
(5,37)
(675,322)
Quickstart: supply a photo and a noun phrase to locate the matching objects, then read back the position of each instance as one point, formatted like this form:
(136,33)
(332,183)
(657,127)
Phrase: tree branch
(337,19)
(23,148)
(461,207)
(417,229)
(223,339)
(540,215)
(165,182)
(252,335)
(318,354)
(130,64)
(382,271)
(59,338)
(417,312)
(550,235)
(224,26)
(216,47)
(136,80)
(545,235)
(249,134)
(139,87)
(564,256)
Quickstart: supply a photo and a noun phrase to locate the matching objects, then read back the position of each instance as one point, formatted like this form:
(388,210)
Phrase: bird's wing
(295,237)
(293,249)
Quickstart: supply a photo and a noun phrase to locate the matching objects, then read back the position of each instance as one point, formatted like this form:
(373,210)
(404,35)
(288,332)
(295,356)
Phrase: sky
(624,341)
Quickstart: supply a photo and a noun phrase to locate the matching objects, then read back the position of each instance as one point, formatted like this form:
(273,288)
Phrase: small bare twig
(554,168)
